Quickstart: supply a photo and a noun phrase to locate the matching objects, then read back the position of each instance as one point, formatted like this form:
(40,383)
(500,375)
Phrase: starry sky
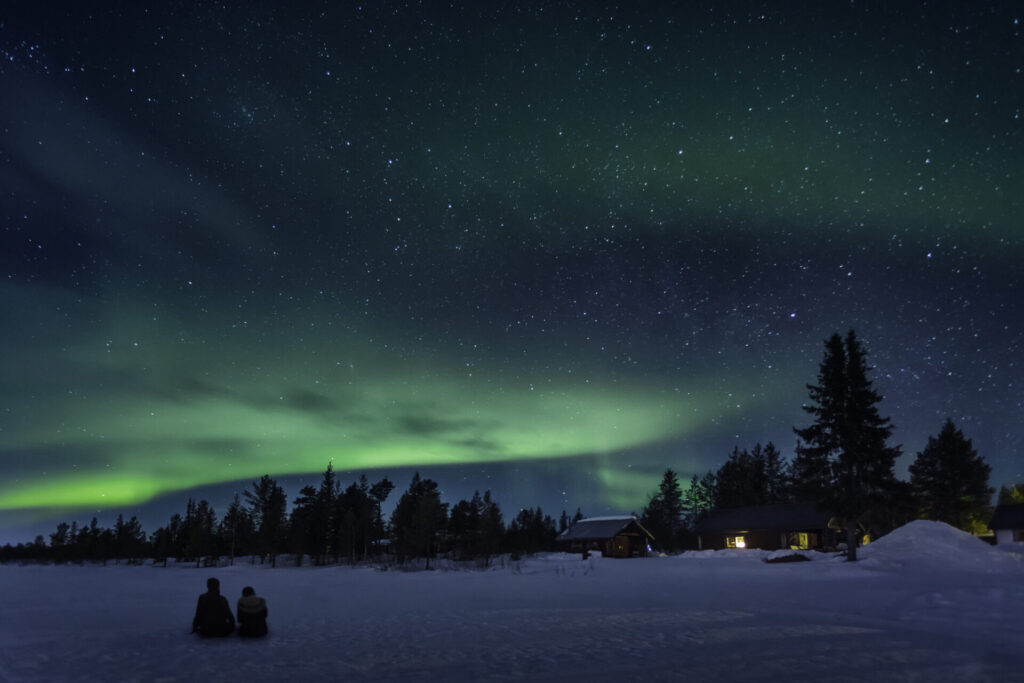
(544,249)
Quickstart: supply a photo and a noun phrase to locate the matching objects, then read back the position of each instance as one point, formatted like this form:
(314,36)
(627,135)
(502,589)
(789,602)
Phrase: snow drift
(936,546)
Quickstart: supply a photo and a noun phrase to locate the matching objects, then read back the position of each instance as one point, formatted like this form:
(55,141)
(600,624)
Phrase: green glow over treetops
(125,448)
(627,489)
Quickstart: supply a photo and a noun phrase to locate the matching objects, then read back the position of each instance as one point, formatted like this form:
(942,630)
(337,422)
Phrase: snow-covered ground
(927,603)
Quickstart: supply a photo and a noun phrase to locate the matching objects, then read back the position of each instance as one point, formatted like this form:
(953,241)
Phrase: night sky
(547,251)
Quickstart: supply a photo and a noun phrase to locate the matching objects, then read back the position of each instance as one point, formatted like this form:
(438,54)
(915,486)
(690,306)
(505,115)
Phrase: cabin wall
(623,545)
(769,539)
(1004,536)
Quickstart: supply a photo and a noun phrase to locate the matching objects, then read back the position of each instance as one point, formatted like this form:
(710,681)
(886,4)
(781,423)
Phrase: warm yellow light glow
(735,542)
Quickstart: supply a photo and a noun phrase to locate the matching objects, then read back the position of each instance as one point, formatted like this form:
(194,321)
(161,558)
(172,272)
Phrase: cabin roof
(596,528)
(782,517)
(1008,516)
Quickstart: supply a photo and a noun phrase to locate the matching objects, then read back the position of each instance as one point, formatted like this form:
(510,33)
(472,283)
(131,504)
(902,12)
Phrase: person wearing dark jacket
(213,617)
(252,614)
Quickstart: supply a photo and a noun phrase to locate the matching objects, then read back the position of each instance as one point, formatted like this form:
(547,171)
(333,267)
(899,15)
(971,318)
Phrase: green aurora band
(125,421)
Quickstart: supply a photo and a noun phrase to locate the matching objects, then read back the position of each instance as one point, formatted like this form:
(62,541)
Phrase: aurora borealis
(546,250)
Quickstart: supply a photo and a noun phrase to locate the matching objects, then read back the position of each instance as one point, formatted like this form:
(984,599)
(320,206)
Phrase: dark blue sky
(543,250)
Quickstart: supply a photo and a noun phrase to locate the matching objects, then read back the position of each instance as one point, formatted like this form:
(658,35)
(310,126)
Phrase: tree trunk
(851,540)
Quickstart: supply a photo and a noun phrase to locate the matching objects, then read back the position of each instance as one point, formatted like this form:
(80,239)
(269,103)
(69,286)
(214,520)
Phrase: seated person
(213,614)
(252,614)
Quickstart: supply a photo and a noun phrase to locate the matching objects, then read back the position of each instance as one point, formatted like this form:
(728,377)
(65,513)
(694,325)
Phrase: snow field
(952,611)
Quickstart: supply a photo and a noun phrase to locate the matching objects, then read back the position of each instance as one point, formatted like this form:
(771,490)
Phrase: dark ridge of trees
(756,477)
(476,528)
(565,522)
(530,532)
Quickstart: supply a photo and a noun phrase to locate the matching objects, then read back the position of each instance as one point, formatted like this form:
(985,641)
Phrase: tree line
(327,524)
(843,464)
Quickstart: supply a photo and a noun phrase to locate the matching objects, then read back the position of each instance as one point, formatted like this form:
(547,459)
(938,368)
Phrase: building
(1008,523)
(798,526)
(613,536)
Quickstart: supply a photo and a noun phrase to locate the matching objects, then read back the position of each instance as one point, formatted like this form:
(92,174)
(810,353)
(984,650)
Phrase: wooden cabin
(1008,523)
(613,536)
(796,526)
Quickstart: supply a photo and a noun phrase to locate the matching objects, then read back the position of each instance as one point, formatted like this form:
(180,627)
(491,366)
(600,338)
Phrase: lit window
(735,542)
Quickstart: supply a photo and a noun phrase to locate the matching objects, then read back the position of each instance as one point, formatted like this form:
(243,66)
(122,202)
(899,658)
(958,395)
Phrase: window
(799,540)
(735,542)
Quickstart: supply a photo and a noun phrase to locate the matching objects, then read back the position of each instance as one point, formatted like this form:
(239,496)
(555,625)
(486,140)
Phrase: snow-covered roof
(1008,516)
(785,516)
(597,528)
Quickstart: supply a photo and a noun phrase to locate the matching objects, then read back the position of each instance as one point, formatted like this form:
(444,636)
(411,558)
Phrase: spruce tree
(58,543)
(492,528)
(843,460)
(699,499)
(819,444)
(663,514)
(355,511)
(776,474)
(379,492)
(418,518)
(464,525)
(267,504)
(323,526)
(950,480)
(301,526)
(236,529)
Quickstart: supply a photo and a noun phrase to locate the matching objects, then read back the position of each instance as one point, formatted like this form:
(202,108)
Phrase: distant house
(613,536)
(1008,523)
(768,527)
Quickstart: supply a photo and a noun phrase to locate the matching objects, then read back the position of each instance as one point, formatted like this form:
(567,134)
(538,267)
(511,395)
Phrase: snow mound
(935,545)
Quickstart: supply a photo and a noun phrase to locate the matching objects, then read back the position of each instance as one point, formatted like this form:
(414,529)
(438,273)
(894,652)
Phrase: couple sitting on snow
(214,619)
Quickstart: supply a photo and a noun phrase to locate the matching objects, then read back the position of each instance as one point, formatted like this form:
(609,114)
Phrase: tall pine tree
(267,502)
(418,518)
(663,514)
(818,445)
(699,498)
(950,480)
(843,459)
